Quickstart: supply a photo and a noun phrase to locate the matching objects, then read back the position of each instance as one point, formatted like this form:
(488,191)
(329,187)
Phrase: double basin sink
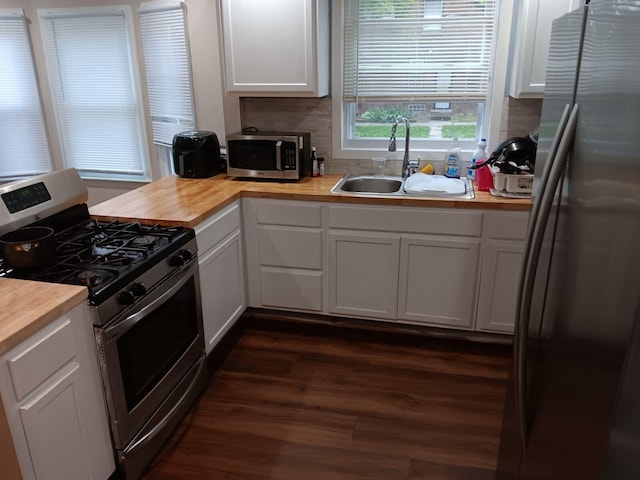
(417,185)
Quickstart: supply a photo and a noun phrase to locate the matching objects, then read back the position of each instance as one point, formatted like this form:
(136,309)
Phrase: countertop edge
(18,324)
(198,199)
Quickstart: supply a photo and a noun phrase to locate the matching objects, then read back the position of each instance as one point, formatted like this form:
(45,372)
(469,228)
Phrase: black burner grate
(97,254)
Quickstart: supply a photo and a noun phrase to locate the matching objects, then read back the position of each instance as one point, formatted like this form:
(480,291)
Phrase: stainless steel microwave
(275,155)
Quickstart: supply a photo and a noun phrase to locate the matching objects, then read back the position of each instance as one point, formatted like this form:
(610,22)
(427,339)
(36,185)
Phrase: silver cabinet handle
(530,261)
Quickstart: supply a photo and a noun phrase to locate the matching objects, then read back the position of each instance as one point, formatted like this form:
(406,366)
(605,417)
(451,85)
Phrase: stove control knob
(180,258)
(138,289)
(126,298)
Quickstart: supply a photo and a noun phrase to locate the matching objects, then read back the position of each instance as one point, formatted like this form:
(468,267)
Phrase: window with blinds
(24,149)
(90,58)
(168,69)
(411,57)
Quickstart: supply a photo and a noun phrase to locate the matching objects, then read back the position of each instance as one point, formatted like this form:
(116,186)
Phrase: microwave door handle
(279,155)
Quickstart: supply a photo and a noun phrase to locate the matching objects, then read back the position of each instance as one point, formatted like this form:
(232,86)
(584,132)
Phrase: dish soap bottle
(477,157)
(452,159)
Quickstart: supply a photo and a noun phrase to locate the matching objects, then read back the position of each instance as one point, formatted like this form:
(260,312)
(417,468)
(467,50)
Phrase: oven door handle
(169,416)
(122,326)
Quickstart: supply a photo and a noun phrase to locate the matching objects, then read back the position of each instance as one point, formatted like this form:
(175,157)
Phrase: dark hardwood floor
(319,404)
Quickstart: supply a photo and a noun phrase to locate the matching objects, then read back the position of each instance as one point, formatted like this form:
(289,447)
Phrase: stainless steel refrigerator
(573,403)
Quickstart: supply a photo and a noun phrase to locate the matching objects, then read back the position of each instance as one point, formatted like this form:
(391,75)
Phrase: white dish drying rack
(512,185)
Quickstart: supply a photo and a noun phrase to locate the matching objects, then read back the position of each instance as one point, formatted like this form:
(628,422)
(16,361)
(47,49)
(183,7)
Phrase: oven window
(252,154)
(149,349)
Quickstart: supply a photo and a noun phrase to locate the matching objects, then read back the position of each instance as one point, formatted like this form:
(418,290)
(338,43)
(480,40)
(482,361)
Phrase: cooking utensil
(29,248)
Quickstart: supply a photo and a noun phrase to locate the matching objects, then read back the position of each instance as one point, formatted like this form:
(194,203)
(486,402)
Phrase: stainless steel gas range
(144,295)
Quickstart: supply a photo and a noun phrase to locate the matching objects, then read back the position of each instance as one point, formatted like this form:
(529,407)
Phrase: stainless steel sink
(370,185)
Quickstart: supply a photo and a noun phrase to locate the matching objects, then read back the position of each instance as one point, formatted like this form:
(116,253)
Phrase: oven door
(148,350)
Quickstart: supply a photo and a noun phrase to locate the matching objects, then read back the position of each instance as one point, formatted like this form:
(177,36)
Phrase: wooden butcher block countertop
(186,202)
(26,307)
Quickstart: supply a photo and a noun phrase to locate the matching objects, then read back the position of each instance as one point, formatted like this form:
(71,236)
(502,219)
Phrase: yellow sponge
(428,168)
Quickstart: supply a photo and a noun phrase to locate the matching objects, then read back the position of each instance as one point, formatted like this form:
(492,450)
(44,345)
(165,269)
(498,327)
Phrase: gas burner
(95,277)
(86,277)
(146,241)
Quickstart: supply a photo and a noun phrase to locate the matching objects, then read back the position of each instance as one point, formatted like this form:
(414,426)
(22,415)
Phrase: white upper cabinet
(276,48)
(530,44)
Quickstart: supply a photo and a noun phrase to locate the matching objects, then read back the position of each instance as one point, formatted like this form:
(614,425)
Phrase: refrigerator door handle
(532,254)
(544,177)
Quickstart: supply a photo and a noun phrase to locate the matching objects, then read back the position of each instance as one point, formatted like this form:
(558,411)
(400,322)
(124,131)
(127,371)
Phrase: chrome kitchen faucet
(408,166)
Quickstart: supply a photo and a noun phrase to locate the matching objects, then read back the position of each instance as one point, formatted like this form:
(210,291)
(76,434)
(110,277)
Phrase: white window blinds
(166,61)
(89,58)
(401,50)
(23,141)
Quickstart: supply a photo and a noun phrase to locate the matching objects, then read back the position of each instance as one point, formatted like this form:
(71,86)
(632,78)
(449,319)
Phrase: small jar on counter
(320,165)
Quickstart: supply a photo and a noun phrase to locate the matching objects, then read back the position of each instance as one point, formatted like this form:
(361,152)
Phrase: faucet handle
(412,166)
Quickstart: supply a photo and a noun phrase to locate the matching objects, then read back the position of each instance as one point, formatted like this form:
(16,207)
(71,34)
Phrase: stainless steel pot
(30,248)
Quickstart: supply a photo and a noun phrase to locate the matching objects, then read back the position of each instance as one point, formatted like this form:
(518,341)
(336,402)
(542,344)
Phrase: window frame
(344,148)
(19,15)
(136,83)
(160,7)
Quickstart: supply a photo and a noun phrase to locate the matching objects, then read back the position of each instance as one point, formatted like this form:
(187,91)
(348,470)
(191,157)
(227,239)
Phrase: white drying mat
(424,184)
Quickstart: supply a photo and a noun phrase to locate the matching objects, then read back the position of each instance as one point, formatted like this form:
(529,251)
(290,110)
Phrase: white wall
(204,38)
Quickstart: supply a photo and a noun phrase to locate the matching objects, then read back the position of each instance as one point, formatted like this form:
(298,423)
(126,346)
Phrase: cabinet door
(533,32)
(54,402)
(363,274)
(501,265)
(437,280)
(53,428)
(222,289)
(277,46)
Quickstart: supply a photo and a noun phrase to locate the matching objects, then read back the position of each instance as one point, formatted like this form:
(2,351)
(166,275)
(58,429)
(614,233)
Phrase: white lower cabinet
(53,400)
(52,428)
(422,268)
(221,269)
(438,280)
(363,274)
(284,243)
(442,267)
(502,253)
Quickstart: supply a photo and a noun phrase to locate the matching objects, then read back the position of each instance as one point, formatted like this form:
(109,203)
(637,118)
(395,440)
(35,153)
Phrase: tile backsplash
(519,116)
(291,114)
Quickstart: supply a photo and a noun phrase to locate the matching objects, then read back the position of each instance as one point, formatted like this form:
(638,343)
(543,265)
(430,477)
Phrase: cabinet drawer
(218,227)
(289,213)
(30,367)
(291,289)
(508,225)
(416,220)
(290,247)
